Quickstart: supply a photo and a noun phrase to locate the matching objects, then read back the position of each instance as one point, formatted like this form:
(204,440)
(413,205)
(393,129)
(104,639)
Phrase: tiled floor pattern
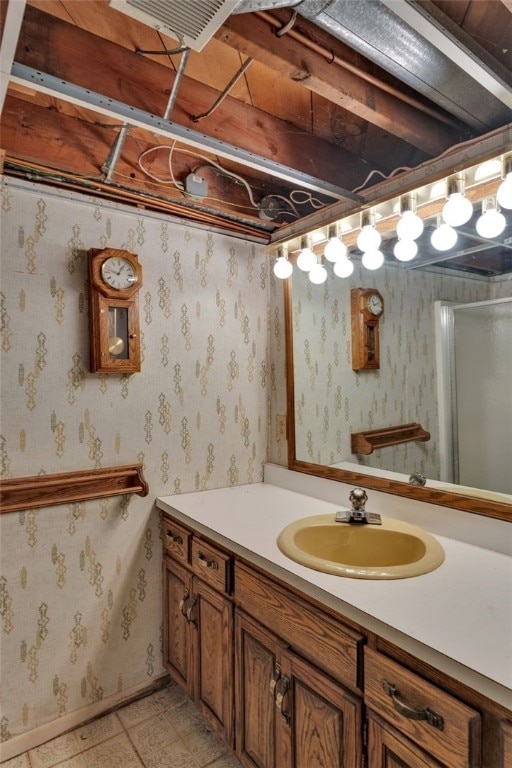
(163,730)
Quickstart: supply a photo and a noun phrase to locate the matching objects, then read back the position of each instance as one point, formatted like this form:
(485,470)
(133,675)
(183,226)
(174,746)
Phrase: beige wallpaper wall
(80,599)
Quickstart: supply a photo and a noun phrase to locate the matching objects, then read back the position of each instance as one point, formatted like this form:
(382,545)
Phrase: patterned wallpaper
(332,400)
(80,596)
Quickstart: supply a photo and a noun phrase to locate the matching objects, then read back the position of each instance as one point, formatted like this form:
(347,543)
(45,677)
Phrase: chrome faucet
(416,478)
(357,514)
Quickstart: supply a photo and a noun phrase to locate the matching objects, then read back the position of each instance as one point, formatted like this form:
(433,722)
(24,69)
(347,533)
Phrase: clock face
(118,273)
(375,304)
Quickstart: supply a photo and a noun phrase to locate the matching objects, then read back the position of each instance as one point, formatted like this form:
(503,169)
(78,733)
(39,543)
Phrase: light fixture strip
(428,210)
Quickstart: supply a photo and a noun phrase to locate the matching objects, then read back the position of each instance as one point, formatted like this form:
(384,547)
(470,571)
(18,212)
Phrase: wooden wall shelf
(48,490)
(367,442)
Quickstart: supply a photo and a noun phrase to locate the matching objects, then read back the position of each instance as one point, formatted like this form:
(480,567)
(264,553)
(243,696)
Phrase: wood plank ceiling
(313,122)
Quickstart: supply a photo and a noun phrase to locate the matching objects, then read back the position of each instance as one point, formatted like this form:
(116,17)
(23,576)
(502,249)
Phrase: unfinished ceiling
(264,117)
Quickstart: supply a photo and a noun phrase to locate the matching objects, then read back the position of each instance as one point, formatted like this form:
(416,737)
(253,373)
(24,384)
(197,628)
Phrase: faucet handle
(358,498)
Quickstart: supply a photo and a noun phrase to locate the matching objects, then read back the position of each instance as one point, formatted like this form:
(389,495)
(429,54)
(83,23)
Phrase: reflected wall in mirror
(328,401)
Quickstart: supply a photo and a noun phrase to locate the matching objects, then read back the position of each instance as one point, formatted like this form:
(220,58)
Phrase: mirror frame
(473,504)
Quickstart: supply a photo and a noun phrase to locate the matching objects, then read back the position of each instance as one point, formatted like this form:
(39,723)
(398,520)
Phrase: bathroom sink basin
(393,550)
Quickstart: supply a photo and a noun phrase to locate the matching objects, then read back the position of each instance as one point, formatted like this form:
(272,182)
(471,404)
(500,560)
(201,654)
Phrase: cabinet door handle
(213,564)
(175,537)
(427,714)
(284,687)
(192,621)
(184,599)
(275,678)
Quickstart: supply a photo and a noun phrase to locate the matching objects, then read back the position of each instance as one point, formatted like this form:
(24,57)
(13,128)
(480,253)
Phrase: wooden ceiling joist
(252,35)
(59,49)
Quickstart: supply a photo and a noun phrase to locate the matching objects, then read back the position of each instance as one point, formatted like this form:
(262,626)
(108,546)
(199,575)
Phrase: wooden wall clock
(115,278)
(366,308)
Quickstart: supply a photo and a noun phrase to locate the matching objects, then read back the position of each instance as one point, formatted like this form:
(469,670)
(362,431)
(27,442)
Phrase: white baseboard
(37,736)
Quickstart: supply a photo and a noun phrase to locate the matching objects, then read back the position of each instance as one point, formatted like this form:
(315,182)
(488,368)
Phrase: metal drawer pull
(175,537)
(431,717)
(284,687)
(213,564)
(275,678)
(182,602)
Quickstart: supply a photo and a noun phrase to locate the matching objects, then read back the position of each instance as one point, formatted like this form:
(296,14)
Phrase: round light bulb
(491,223)
(410,226)
(372,259)
(405,250)
(318,274)
(443,238)
(283,268)
(504,193)
(368,239)
(306,260)
(343,267)
(457,210)
(335,249)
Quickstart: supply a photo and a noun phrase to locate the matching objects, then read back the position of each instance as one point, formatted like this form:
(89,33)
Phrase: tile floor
(163,730)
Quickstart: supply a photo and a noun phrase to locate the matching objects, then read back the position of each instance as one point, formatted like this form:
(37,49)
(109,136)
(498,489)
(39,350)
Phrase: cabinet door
(257,672)
(288,713)
(321,722)
(389,749)
(177,595)
(211,625)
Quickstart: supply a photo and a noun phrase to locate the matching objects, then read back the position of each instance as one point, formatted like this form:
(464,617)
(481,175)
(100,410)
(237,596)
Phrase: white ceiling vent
(192,22)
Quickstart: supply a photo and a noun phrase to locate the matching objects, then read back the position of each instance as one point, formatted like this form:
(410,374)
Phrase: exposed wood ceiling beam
(254,36)
(81,156)
(58,49)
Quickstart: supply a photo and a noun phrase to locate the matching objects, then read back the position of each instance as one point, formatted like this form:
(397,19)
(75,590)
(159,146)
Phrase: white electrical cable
(298,196)
(177,184)
(448,151)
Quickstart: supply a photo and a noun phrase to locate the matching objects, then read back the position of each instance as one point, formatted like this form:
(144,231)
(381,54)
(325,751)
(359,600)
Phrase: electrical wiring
(180,186)
(164,184)
(448,151)
(380,173)
(144,170)
(297,196)
(307,197)
(289,202)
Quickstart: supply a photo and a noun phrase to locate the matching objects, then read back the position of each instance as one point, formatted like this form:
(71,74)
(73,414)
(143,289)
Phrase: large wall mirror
(444,371)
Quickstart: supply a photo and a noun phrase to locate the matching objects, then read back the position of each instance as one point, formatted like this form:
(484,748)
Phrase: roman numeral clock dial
(115,278)
(118,273)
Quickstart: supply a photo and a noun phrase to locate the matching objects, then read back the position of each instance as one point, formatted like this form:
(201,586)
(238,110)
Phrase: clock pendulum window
(366,309)
(115,278)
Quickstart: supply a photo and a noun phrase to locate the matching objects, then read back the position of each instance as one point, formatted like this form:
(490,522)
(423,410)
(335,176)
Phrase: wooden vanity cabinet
(313,690)
(289,714)
(387,748)
(433,720)
(198,625)
(298,702)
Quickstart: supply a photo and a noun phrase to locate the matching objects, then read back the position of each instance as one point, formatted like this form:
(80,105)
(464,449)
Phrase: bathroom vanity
(294,667)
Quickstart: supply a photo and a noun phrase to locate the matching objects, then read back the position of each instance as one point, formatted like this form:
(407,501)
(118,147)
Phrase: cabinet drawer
(325,642)
(431,718)
(176,540)
(212,565)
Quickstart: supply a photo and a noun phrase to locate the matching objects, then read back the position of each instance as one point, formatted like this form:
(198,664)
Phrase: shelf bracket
(366,442)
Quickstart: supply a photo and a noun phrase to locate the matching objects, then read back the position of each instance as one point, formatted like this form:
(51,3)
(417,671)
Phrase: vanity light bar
(406,215)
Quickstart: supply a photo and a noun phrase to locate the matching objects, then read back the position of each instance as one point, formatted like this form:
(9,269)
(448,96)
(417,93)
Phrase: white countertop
(457,618)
